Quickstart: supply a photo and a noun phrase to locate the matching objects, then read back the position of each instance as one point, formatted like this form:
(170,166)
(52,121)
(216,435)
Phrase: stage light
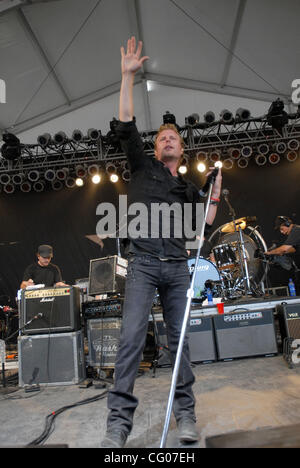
(226,116)
(60,138)
(9,188)
(293,145)
(277,117)
(215,156)
(209,117)
(77,136)
(201,156)
(80,171)
(93,134)
(93,169)
(201,167)
(260,159)
(234,153)
(192,119)
(57,185)
(243,163)
(39,186)
(17,179)
(169,118)
(79,182)
(126,175)
(263,148)
(291,156)
(274,158)
(25,187)
(280,148)
(182,169)
(110,168)
(246,151)
(96,179)
(70,182)
(44,140)
(50,175)
(218,164)
(242,114)
(61,174)
(11,149)
(33,176)
(5,179)
(114,178)
(228,163)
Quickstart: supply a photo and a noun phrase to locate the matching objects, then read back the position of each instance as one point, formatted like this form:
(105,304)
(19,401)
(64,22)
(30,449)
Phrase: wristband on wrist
(215,199)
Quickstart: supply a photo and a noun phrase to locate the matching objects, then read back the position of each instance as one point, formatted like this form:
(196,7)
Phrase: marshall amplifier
(50,310)
(107,275)
(289,320)
(245,334)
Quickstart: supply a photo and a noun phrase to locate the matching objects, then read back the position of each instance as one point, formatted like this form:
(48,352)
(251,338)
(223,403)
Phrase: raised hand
(131,60)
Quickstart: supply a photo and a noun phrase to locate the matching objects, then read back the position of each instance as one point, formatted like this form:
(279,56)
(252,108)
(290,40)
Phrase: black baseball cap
(45,251)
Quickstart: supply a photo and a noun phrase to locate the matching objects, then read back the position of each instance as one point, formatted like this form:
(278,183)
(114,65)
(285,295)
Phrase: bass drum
(206,270)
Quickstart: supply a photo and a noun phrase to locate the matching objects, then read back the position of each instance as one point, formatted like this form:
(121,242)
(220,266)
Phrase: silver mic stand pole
(190,293)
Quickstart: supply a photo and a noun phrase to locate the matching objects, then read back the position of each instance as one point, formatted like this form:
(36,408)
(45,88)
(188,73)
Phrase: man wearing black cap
(43,271)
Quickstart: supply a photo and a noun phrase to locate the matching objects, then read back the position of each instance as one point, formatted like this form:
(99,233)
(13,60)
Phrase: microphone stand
(190,293)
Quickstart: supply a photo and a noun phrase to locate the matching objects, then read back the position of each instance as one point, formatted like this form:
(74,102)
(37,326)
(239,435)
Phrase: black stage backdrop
(63,219)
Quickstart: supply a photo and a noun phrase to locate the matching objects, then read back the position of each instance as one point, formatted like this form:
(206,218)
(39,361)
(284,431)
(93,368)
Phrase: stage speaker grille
(289,320)
(107,275)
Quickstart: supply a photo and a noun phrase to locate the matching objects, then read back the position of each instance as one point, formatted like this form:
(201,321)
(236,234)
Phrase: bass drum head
(206,270)
(255,266)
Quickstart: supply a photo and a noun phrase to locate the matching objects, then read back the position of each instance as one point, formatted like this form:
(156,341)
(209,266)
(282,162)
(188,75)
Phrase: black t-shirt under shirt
(47,275)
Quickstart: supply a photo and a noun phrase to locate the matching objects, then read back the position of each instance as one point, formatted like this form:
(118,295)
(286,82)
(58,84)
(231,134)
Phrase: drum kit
(232,270)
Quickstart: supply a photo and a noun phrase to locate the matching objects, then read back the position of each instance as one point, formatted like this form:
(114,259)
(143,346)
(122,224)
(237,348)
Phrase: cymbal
(234,225)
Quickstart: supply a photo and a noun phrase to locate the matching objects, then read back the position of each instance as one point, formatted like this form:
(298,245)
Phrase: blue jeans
(145,274)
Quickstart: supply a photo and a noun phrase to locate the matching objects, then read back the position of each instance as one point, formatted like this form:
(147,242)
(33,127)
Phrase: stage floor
(244,394)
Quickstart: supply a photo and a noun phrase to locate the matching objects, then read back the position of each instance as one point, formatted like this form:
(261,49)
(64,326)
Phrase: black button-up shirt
(152,182)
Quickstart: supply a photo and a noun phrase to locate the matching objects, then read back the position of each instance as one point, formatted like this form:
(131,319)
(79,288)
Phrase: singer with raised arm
(153,264)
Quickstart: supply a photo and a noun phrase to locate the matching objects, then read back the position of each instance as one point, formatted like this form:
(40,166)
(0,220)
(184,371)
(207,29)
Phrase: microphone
(210,180)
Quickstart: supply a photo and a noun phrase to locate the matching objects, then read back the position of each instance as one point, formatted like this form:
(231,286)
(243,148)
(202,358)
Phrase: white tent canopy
(60,60)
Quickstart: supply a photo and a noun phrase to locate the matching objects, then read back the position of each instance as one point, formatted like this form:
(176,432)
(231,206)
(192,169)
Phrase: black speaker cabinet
(50,310)
(54,359)
(289,320)
(245,334)
(103,341)
(107,275)
(201,341)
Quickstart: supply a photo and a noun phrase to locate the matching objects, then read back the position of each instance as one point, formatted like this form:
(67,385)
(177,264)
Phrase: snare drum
(225,256)
(206,270)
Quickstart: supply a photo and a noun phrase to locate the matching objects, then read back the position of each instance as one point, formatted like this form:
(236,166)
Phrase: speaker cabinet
(245,334)
(289,320)
(54,359)
(50,310)
(103,340)
(107,275)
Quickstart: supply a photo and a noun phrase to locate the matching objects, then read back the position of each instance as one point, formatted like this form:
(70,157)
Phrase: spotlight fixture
(226,117)
(228,163)
(169,118)
(242,114)
(263,149)
(209,117)
(246,151)
(182,169)
(201,167)
(77,136)
(39,186)
(192,119)
(277,118)
(280,148)
(80,171)
(44,140)
(201,156)
(60,138)
(291,156)
(33,176)
(57,185)
(293,145)
(17,179)
(79,182)
(126,175)
(9,188)
(274,158)
(50,175)
(234,153)
(243,163)
(218,164)
(260,159)
(110,168)
(215,155)
(114,178)
(94,134)
(5,179)
(93,169)
(96,179)
(70,182)
(11,149)
(25,187)
(61,174)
